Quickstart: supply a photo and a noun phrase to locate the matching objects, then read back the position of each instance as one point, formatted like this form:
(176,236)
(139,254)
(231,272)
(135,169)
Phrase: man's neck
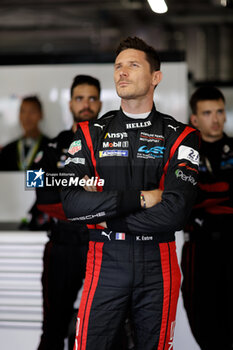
(34,134)
(211,139)
(137,106)
(74,127)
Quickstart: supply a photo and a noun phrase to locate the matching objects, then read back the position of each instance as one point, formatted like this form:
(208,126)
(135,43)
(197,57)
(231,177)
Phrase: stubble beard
(79,118)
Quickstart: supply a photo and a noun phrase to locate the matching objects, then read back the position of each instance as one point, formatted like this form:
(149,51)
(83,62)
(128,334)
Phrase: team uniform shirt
(131,156)
(207,262)
(65,252)
(132,264)
(213,209)
(52,161)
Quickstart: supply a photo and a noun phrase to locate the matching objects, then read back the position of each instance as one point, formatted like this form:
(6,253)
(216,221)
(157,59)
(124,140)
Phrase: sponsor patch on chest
(113,153)
(150,152)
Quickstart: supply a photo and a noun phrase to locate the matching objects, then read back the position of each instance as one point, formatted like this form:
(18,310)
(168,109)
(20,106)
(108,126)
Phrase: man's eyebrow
(131,61)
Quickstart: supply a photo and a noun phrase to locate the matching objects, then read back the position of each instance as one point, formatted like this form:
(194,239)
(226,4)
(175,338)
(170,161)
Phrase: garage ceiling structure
(89,30)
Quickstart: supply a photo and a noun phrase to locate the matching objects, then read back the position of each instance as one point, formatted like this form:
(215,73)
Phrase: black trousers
(207,289)
(62,278)
(128,274)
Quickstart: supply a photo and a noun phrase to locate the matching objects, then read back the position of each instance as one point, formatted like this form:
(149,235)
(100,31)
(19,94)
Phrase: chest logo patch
(150,152)
(113,153)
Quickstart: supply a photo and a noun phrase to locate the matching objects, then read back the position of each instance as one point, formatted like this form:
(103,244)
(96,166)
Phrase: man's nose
(86,103)
(215,117)
(123,72)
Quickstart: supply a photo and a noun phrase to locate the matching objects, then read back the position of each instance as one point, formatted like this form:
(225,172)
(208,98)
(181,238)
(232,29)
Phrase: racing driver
(148,162)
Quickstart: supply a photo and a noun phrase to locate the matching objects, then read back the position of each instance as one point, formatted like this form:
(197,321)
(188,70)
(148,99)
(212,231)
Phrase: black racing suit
(132,265)
(207,259)
(64,254)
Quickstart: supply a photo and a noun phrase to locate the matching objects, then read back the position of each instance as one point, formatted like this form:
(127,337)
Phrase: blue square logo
(35,178)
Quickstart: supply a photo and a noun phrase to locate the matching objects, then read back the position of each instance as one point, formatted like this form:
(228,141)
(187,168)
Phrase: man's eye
(92,99)
(78,99)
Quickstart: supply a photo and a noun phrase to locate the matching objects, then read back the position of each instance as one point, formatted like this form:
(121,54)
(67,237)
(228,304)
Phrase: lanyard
(208,165)
(25,161)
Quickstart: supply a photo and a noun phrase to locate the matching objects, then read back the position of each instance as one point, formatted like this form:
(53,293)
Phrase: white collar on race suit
(137,116)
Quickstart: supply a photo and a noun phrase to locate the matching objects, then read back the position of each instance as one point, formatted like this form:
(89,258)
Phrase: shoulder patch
(75,147)
(188,153)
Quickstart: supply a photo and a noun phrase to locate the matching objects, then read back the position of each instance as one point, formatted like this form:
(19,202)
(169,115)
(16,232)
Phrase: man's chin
(124,94)
(83,118)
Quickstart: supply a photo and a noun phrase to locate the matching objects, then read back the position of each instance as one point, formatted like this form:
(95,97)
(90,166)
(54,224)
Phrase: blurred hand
(89,188)
(152,197)
(93,189)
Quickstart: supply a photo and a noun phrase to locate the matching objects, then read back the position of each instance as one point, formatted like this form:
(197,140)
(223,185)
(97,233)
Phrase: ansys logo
(35,178)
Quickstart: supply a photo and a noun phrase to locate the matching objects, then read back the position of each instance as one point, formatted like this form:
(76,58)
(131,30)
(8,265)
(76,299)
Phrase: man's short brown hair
(138,44)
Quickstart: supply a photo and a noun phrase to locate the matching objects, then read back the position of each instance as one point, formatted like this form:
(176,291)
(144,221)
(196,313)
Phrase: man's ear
(70,106)
(100,106)
(193,120)
(157,77)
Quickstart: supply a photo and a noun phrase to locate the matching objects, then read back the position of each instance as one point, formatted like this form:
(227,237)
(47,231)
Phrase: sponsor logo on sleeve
(187,178)
(75,147)
(75,160)
(188,153)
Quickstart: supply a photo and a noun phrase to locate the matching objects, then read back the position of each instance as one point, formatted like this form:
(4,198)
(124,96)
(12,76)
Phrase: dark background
(64,31)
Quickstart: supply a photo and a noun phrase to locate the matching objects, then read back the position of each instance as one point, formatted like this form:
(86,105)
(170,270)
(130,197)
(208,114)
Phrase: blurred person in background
(20,154)
(65,252)
(207,259)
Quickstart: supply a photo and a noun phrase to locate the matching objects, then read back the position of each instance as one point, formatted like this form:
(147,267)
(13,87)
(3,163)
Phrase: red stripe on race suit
(220,209)
(86,132)
(53,210)
(176,144)
(211,202)
(171,286)
(94,262)
(214,187)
